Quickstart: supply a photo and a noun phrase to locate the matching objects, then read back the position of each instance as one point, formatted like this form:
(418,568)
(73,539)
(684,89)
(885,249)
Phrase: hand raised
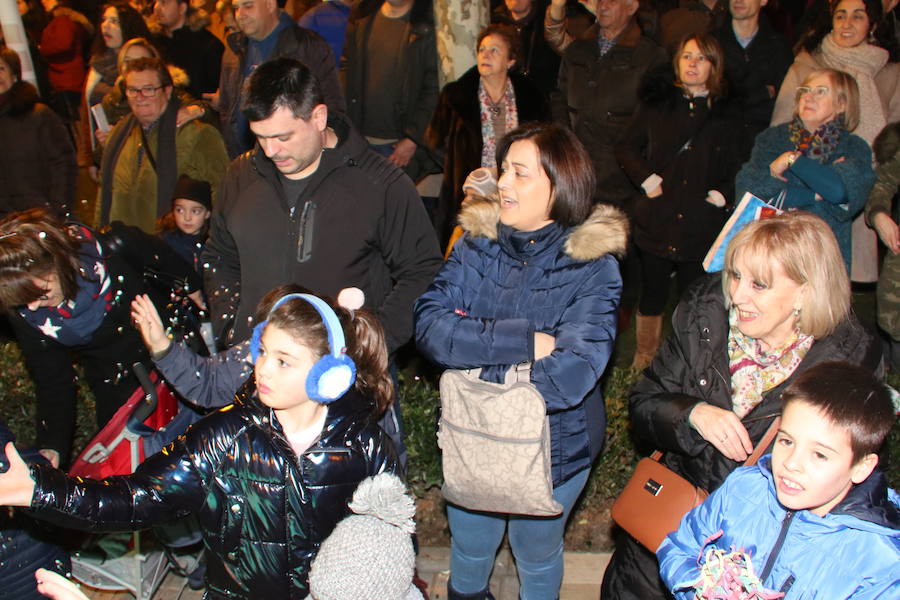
(149,324)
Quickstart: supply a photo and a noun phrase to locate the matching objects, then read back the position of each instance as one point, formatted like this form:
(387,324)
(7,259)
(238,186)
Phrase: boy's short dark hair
(282,82)
(852,398)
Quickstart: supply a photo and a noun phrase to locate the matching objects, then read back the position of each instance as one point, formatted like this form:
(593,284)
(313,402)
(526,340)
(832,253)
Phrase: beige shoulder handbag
(495,441)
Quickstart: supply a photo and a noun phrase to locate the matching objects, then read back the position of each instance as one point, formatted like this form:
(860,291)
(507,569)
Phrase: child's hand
(55,586)
(149,324)
(16,485)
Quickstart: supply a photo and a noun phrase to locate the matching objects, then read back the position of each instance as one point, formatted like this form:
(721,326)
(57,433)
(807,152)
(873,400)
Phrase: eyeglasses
(148,91)
(818,92)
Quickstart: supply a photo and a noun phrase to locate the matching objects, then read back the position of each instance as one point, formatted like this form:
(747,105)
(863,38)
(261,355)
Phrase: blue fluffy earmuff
(333,374)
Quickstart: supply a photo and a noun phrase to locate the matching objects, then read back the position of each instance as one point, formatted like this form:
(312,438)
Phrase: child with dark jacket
(186,226)
(815,517)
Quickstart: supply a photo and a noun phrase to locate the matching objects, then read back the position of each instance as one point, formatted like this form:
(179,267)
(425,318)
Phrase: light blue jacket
(852,552)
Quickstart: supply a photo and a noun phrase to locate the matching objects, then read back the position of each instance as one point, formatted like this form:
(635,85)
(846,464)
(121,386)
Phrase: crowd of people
(263,173)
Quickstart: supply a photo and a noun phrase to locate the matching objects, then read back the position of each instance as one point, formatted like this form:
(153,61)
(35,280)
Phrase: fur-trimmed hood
(604,232)
(19,99)
(65,11)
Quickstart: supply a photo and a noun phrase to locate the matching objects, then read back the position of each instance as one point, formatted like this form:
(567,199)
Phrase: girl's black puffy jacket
(263,510)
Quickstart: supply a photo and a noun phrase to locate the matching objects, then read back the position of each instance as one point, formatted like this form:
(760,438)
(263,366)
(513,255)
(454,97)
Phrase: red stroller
(142,426)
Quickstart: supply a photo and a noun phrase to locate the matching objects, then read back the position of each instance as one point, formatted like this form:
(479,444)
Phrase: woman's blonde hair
(805,247)
(845,90)
(138,41)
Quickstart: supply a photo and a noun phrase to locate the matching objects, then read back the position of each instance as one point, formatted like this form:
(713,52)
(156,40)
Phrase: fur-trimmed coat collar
(604,232)
(19,99)
(65,11)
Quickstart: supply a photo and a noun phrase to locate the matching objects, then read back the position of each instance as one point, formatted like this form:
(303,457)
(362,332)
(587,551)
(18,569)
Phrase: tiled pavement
(583,573)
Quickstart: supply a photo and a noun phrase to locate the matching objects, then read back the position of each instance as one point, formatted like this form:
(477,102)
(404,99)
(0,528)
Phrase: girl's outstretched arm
(205,381)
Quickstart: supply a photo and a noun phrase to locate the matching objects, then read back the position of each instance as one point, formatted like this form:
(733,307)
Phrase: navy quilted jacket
(499,286)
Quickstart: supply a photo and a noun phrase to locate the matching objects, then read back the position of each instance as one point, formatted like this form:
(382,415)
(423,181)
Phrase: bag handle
(757,452)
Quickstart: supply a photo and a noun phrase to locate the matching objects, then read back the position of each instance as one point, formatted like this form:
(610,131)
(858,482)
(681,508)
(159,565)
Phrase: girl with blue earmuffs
(269,476)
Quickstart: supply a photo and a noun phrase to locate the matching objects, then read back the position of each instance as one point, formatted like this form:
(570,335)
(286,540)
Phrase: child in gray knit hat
(369,555)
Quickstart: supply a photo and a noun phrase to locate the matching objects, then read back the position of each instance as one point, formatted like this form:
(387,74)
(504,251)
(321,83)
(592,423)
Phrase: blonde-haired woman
(739,337)
(813,162)
(848,43)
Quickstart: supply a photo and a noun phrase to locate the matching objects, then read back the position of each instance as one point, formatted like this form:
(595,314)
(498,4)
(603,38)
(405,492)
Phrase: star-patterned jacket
(106,344)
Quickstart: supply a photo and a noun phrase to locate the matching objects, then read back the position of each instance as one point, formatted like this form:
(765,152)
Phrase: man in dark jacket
(311,204)
(756,60)
(391,83)
(185,42)
(691,16)
(267,32)
(598,88)
(537,59)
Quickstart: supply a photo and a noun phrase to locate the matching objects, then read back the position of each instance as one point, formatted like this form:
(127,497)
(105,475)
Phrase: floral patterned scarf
(487,110)
(819,144)
(755,371)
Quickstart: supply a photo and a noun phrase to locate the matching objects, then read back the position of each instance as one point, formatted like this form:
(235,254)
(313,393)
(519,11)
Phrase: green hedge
(420,414)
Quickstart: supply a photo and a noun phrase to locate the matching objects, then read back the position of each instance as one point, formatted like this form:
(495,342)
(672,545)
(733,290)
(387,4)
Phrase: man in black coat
(267,32)
(185,42)
(598,89)
(756,60)
(537,59)
(390,72)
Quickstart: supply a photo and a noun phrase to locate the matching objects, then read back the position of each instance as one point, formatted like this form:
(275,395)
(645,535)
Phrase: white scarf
(863,62)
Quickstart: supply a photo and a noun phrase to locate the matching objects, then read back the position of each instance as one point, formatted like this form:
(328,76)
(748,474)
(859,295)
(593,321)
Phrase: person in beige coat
(849,46)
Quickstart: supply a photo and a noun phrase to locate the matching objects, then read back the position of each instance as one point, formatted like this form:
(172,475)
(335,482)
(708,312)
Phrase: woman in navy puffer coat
(533,279)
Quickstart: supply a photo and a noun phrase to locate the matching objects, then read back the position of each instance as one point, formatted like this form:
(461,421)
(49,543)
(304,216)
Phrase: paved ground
(581,582)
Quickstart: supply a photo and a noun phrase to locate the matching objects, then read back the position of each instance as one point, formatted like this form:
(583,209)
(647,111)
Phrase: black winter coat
(358,223)
(748,72)
(196,50)
(417,71)
(537,60)
(293,42)
(597,96)
(692,367)
(455,130)
(115,346)
(263,510)
(691,145)
(37,160)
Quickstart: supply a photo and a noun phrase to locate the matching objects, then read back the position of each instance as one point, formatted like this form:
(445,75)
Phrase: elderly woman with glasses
(850,41)
(813,162)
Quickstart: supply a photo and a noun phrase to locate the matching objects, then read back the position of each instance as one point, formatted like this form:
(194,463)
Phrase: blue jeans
(537,545)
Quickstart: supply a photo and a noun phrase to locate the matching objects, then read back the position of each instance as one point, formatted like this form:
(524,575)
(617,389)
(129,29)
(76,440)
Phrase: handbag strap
(761,447)
(518,373)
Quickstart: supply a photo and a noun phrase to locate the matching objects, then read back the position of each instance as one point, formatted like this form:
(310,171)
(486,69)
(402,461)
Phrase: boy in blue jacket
(816,518)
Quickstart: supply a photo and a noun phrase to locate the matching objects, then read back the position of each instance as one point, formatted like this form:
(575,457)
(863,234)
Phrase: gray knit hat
(369,555)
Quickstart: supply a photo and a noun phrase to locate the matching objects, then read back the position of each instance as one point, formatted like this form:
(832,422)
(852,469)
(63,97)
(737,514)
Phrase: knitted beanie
(192,189)
(369,555)
(481,182)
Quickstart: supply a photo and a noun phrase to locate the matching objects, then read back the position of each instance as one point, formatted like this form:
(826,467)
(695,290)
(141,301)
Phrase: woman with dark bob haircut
(533,280)
(67,288)
(739,338)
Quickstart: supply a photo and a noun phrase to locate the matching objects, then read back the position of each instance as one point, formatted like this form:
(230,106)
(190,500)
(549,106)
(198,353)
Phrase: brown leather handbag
(655,499)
